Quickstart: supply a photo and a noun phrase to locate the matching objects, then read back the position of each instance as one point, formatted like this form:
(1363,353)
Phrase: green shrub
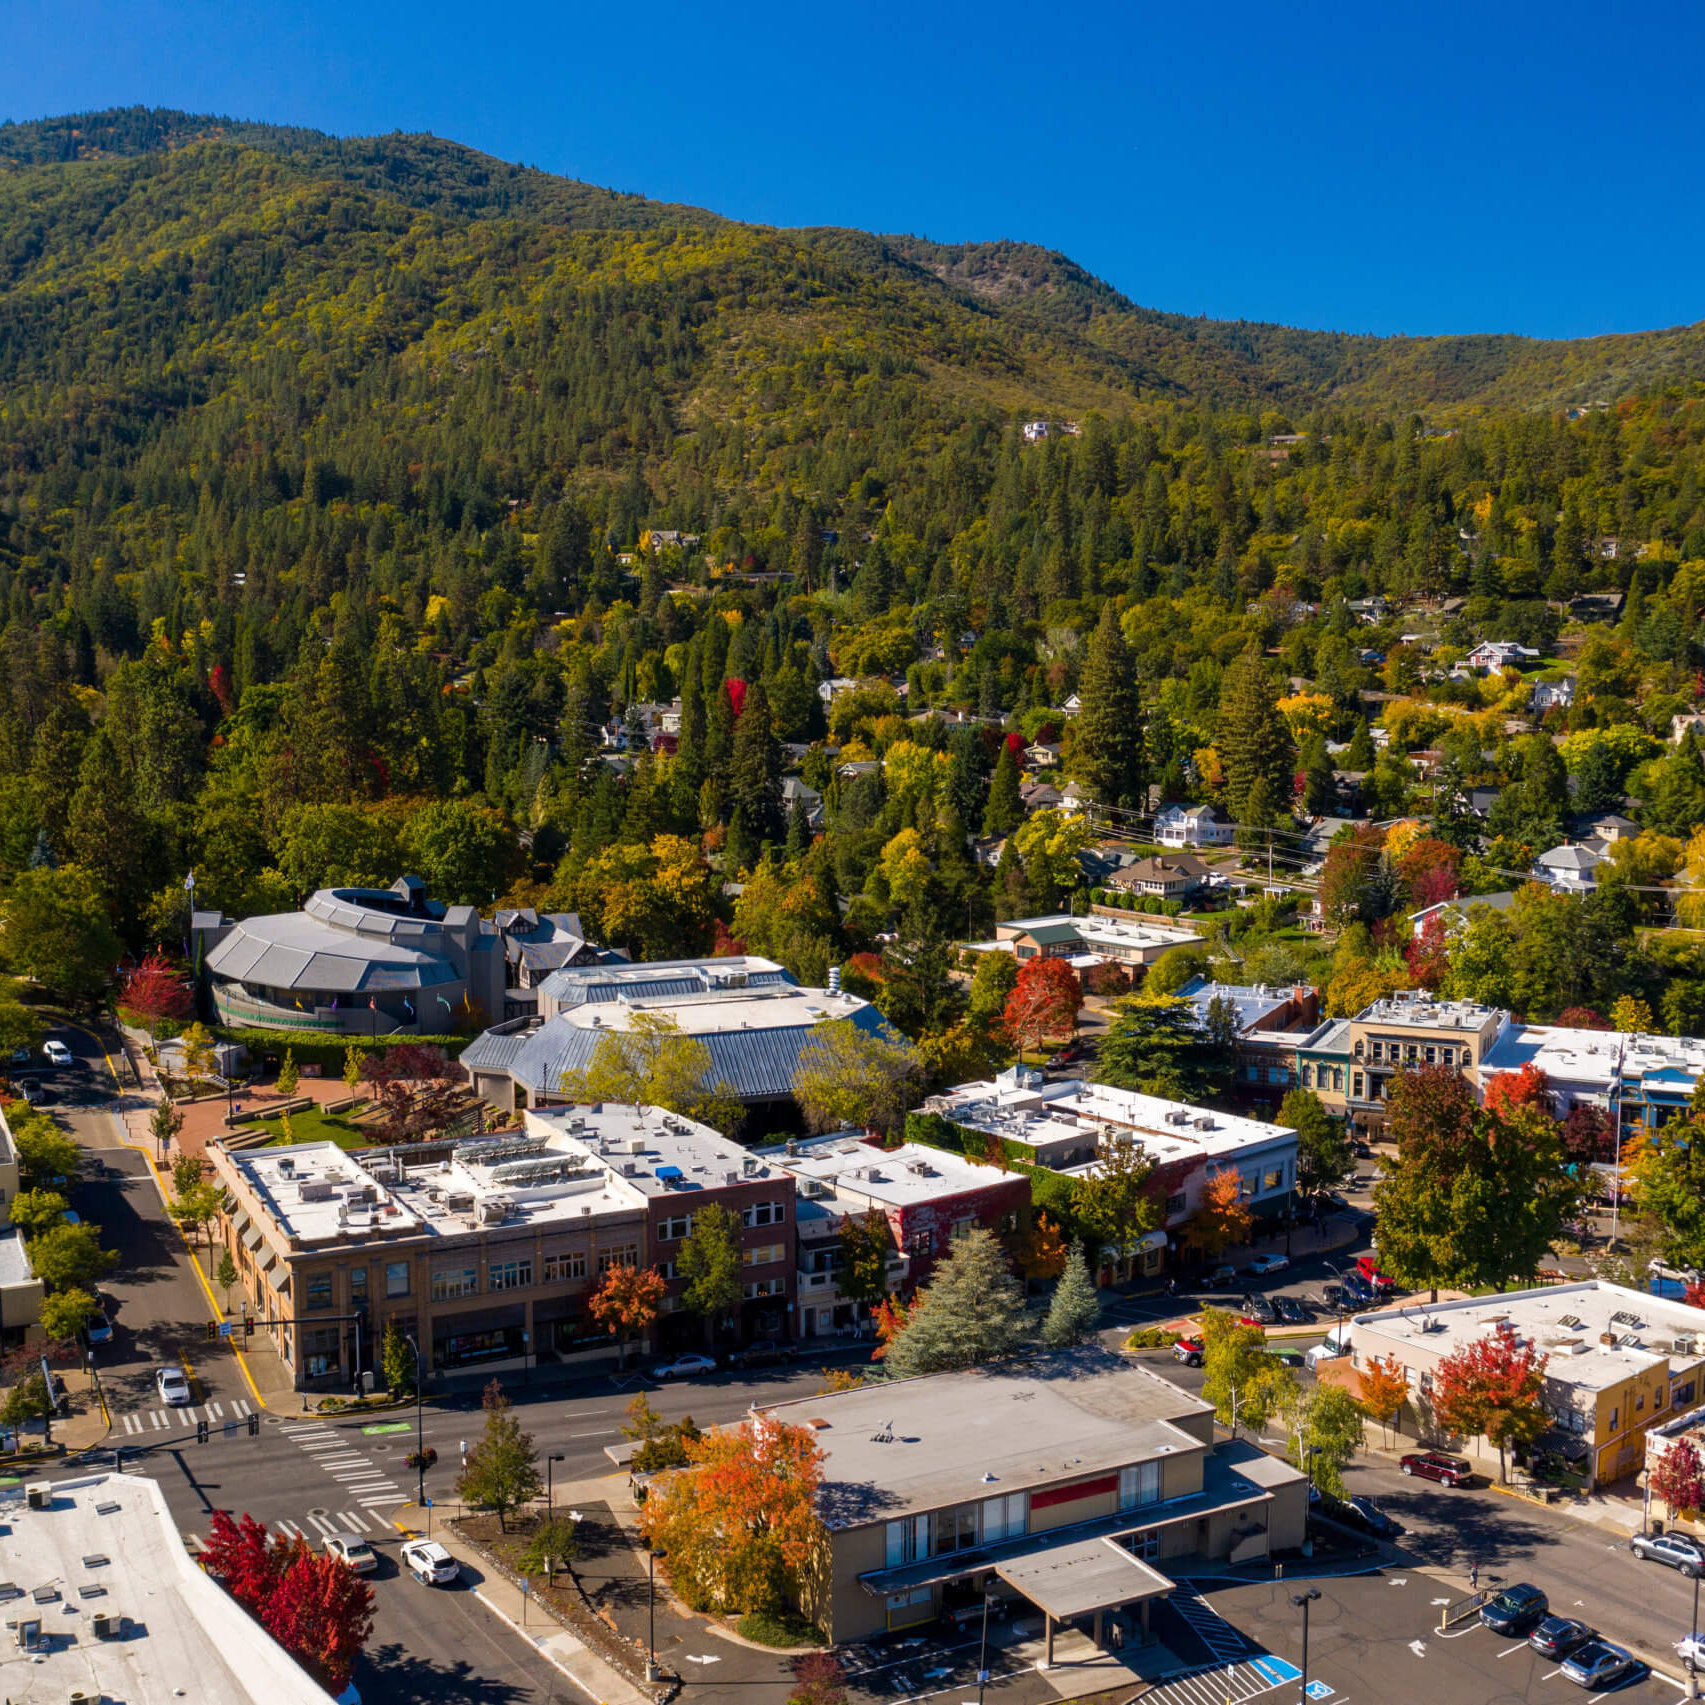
(1150,1338)
(779,1628)
(327,1051)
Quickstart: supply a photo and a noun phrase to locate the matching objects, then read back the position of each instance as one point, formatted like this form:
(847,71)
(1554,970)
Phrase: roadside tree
(1075,1308)
(1044,1002)
(1385,1389)
(1244,1383)
(1323,1150)
(1325,1425)
(971,1311)
(1115,1206)
(626,1302)
(501,1470)
(1678,1477)
(709,1261)
(1492,1388)
(1220,1220)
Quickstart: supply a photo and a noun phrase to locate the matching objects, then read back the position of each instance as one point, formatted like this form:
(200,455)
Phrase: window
(953,1530)
(908,1541)
(763,1254)
(963,1228)
(450,1282)
(1144,1545)
(565,1264)
(920,1243)
(1358,1050)
(1615,1419)
(1378,1051)
(1356,1084)
(1428,1055)
(625,1256)
(764,1213)
(1338,1077)
(1274,1179)
(1003,1518)
(1023,952)
(1306,1074)
(319,1290)
(320,1351)
(1175,1204)
(1139,1484)
(765,1288)
(1009,1222)
(1409,1053)
(509,1275)
(680,1226)
(396,1278)
(358,1284)
(1682,1394)
(1447,1056)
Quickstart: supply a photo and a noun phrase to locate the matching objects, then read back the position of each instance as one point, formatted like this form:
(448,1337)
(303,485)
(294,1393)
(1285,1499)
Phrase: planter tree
(502,1469)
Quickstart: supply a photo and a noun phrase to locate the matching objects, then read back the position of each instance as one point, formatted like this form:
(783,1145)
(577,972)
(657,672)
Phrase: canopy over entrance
(1068,1581)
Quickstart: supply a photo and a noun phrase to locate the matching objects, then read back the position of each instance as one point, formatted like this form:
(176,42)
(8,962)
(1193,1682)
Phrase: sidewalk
(570,1654)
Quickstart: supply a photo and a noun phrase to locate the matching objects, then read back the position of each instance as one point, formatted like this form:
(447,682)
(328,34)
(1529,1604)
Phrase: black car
(764,1353)
(1258,1308)
(1365,1513)
(1516,1610)
(1558,1636)
(1292,1310)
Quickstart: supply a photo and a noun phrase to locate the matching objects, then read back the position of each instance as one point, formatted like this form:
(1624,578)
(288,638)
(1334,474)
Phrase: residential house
(1085,941)
(1496,654)
(1168,878)
(794,790)
(1552,695)
(1042,754)
(1618,1362)
(1597,606)
(1606,827)
(1192,826)
(1072,706)
(1060,1486)
(1039,796)
(1569,869)
(830,690)
(1689,722)
(1036,430)
(1455,912)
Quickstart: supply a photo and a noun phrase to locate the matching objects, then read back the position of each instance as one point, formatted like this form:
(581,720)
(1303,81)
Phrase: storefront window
(448,1282)
(396,1278)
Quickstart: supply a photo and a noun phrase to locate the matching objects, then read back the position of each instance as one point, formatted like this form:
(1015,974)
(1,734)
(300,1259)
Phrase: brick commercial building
(1077,1481)
(486,1250)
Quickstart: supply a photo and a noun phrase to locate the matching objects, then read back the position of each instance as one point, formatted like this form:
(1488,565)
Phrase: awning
(277,1276)
(1074,1580)
(252,1239)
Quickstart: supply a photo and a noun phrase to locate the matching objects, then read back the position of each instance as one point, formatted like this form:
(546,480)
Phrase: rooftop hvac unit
(635,1145)
(40,1495)
(459,1201)
(731,1178)
(104,1624)
(1204,1122)
(749,1166)
(314,1190)
(577,1124)
(793,1148)
(286,1167)
(29,1633)
(1178,1117)
(1685,1344)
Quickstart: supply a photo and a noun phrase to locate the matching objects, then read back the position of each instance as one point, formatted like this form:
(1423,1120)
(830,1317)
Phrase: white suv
(429,1562)
(57,1053)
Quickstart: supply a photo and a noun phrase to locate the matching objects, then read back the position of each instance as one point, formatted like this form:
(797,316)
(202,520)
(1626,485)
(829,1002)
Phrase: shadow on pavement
(392,1675)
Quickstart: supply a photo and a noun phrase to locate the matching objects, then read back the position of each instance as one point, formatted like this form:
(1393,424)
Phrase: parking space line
(1520,1647)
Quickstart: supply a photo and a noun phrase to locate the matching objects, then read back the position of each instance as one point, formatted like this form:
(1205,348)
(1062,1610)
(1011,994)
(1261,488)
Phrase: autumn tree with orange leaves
(739,1524)
(626,1303)
(1384,1390)
(1044,1003)
(1222,1220)
(1493,1387)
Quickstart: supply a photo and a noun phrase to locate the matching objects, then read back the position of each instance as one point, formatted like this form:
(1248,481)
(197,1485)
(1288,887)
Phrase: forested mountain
(350,490)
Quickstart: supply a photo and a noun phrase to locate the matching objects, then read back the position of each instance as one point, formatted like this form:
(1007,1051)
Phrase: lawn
(313,1126)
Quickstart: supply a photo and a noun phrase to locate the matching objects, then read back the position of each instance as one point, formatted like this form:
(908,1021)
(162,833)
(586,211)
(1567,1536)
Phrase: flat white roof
(108,1544)
(1430,1014)
(1565,1055)
(1565,1322)
(907,1176)
(657,1153)
(1045,1113)
(719,1011)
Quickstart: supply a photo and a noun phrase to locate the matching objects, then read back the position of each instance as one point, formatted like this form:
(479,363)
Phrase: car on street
(1262,1265)
(34,1093)
(1355,1292)
(1558,1636)
(1072,1053)
(1367,1270)
(429,1562)
(1437,1465)
(1188,1351)
(1366,1514)
(1691,1650)
(1221,1278)
(1361,1150)
(764,1353)
(1598,1665)
(173,1387)
(1675,1549)
(99,1329)
(1258,1308)
(1516,1610)
(56,1053)
(356,1553)
(1293,1311)
(684,1367)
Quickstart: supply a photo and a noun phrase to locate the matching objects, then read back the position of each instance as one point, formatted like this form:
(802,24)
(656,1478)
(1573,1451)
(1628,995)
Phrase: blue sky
(1464,168)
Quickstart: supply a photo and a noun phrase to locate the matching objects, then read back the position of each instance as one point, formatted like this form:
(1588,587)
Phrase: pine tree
(754,782)
(1005,809)
(1109,737)
(1359,754)
(971,1311)
(1254,740)
(1076,1305)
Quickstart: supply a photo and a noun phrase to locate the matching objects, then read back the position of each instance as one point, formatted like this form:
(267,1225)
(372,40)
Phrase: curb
(526,1634)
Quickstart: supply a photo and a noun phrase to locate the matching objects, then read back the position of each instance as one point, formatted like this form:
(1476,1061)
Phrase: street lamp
(651,1613)
(419,1425)
(555,1456)
(983,1653)
(1303,1601)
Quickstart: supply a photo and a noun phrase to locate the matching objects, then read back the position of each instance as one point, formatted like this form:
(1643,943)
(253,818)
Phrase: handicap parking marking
(1319,1690)
(1275,1670)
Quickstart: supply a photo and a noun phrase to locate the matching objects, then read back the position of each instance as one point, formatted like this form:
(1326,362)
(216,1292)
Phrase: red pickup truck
(1368,1268)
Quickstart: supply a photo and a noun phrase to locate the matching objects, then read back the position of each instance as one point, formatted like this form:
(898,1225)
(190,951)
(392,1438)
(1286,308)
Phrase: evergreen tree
(1075,1308)
(798,830)
(1359,754)
(1005,809)
(971,1311)
(754,782)
(1253,739)
(1108,750)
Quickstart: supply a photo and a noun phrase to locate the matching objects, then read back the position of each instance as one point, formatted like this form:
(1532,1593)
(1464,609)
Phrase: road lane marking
(187,1416)
(242,1408)
(132,1424)
(600,1433)
(355,1522)
(215,1412)
(325,1527)
(158,1419)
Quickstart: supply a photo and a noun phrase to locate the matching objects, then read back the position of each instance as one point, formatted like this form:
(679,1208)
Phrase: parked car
(1221,1278)
(1675,1549)
(1598,1665)
(429,1562)
(1361,1150)
(1293,1311)
(173,1387)
(1188,1351)
(21,1057)
(34,1093)
(356,1553)
(1258,1309)
(1437,1465)
(1516,1610)
(100,1326)
(1691,1650)
(1356,1292)
(1366,1514)
(764,1353)
(1558,1636)
(56,1052)
(1262,1265)
(1367,1270)
(683,1367)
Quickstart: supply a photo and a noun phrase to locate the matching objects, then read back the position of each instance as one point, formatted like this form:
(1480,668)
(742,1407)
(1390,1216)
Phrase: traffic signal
(201,1432)
(212,1331)
(254,1426)
(248,1326)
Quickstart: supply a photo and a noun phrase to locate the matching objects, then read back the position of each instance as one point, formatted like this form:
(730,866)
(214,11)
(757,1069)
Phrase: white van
(1336,1343)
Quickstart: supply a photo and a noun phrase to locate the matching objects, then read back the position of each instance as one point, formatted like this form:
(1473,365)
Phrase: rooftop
(1419,1011)
(656,1152)
(920,1444)
(907,1176)
(1678,1058)
(661,979)
(15,1266)
(1565,1322)
(8,1148)
(1563,1054)
(108,1545)
(1257,1006)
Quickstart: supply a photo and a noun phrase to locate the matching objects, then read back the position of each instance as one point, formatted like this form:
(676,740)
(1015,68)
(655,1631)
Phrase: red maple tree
(626,1302)
(242,1557)
(1582,1018)
(1678,1477)
(321,1612)
(413,1085)
(1044,1002)
(156,990)
(1428,953)
(1431,870)
(1587,1134)
(1510,1092)
(1492,1387)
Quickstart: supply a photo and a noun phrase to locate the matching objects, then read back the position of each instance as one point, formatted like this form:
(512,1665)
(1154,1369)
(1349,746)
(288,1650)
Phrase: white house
(1553,695)
(830,690)
(1035,431)
(1569,869)
(1192,826)
(1072,706)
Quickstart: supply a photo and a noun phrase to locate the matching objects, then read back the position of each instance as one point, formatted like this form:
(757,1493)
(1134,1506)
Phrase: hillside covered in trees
(350,491)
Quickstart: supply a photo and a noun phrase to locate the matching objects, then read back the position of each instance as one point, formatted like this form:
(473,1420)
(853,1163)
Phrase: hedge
(326,1051)
(1048,1189)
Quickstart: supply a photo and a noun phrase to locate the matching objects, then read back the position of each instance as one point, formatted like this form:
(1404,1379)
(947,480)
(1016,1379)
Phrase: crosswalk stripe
(354,1522)
(381,1503)
(215,1412)
(290,1531)
(342,1456)
(133,1424)
(157,1418)
(193,1542)
(241,1408)
(307,1430)
(325,1527)
(187,1416)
